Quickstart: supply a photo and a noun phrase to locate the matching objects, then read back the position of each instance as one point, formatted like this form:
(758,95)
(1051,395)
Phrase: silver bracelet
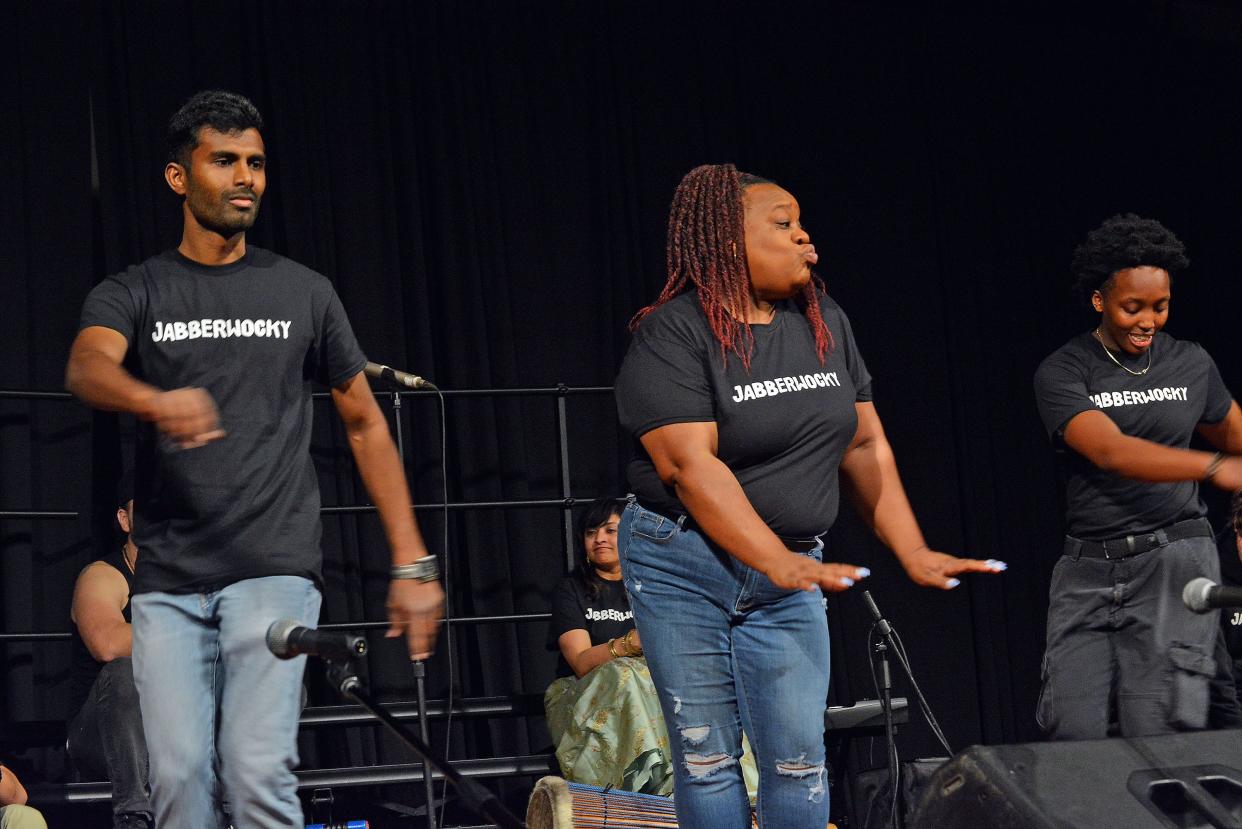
(426,568)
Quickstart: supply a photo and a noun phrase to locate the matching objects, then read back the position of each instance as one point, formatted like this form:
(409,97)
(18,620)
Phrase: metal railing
(352,715)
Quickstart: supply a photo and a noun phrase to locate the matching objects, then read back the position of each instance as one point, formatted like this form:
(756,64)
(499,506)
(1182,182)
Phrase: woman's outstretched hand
(798,572)
(934,569)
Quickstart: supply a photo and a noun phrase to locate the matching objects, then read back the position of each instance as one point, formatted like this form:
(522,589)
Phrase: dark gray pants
(1118,634)
(106,739)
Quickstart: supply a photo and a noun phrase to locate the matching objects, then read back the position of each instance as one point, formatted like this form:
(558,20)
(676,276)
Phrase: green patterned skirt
(608,730)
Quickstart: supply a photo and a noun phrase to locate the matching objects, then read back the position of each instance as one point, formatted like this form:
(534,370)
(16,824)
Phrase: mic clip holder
(342,673)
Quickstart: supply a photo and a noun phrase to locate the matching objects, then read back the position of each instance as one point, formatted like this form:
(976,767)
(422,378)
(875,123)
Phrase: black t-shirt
(1231,624)
(84,669)
(1181,390)
(782,427)
(604,617)
(254,334)
(1231,621)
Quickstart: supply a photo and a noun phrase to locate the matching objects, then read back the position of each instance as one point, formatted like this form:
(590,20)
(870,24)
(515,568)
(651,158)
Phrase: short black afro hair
(225,112)
(1125,241)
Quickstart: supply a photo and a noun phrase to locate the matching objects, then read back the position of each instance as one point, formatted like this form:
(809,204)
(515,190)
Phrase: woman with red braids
(749,399)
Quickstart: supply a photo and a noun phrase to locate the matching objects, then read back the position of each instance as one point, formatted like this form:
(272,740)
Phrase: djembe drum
(556,804)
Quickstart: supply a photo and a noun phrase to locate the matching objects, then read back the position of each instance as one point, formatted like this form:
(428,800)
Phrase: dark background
(486,184)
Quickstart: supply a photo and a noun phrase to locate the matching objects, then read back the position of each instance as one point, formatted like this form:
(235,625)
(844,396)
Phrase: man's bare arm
(414,608)
(99,598)
(95,374)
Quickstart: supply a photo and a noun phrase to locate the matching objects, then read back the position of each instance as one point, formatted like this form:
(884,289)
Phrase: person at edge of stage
(105,733)
(1120,403)
(1226,711)
(214,346)
(602,710)
(14,811)
(748,398)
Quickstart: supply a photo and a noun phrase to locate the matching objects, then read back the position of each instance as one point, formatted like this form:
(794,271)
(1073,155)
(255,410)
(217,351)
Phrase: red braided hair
(706,251)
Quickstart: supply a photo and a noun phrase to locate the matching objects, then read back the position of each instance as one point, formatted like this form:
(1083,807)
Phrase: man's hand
(187,416)
(415,609)
(933,569)
(798,572)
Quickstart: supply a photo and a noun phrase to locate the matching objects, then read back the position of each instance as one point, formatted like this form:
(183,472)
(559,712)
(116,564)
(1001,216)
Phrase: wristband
(424,569)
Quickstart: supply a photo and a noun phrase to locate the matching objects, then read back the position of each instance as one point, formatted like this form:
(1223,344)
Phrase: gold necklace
(1096,332)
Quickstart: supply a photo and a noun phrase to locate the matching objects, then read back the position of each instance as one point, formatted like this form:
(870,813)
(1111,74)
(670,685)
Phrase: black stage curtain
(486,184)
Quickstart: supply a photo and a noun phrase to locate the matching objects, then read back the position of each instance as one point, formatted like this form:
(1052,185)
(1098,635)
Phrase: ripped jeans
(1118,633)
(729,650)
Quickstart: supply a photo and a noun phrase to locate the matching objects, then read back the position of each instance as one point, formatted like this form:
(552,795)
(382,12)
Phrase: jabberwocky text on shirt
(220,329)
(781,385)
(1108,399)
(608,615)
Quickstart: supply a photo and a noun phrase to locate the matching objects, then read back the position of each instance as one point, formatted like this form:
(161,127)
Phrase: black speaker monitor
(1179,781)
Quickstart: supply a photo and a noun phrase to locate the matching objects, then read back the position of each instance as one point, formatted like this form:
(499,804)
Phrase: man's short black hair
(225,112)
(1125,241)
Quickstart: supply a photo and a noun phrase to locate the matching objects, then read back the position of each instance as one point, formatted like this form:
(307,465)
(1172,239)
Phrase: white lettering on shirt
(784,385)
(1108,399)
(608,614)
(220,329)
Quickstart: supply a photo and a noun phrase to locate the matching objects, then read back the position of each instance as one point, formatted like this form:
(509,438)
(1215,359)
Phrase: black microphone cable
(889,632)
(448,596)
(378,371)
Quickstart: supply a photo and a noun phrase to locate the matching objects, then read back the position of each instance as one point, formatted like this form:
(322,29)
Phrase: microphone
(1202,595)
(885,627)
(287,639)
(398,378)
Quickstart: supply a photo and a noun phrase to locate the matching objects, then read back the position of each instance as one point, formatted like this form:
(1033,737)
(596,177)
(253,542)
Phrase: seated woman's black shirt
(605,616)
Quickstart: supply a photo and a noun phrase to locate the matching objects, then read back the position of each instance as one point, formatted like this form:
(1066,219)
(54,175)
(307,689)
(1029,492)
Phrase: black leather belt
(1133,545)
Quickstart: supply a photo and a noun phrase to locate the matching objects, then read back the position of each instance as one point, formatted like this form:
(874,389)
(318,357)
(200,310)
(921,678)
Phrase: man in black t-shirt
(214,347)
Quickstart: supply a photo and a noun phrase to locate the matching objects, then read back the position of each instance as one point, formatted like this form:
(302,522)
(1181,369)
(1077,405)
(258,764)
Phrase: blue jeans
(106,739)
(728,650)
(208,684)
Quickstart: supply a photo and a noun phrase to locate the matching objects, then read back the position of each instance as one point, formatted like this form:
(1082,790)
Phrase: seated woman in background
(603,713)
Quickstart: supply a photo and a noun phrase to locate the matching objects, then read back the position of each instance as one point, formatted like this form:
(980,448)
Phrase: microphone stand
(886,699)
(890,730)
(478,798)
(420,670)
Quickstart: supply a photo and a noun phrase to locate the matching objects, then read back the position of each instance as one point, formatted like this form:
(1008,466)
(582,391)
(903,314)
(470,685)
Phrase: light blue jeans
(729,650)
(208,685)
